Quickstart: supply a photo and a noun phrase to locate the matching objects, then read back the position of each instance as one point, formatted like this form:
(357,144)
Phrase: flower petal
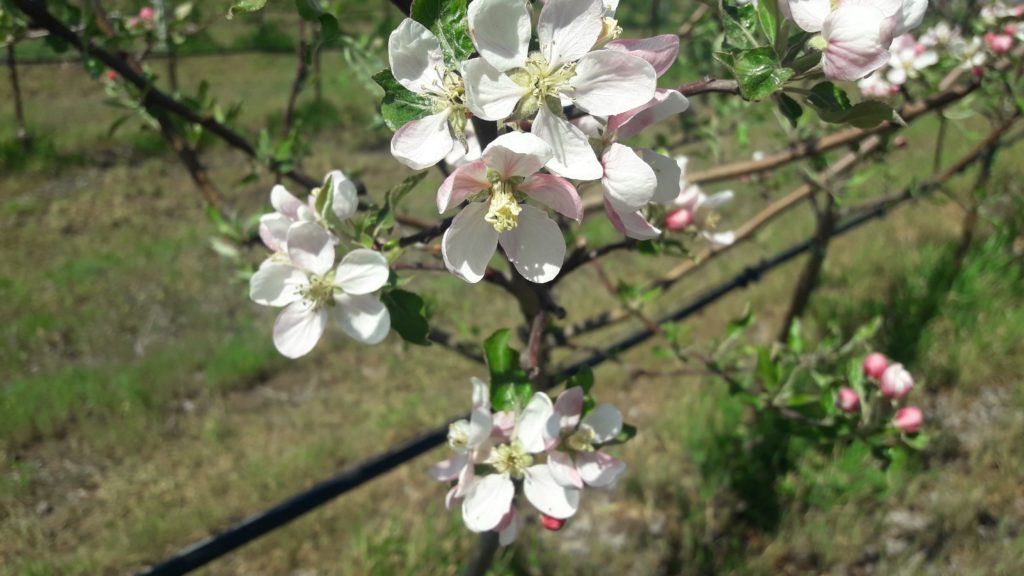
(609,82)
(344,196)
(363,317)
(556,193)
(910,15)
(465,181)
(284,202)
(480,425)
(298,328)
(416,58)
(660,52)
(569,407)
(536,423)
(310,248)
(422,143)
(599,469)
(720,238)
(447,470)
(629,183)
(469,243)
(563,470)
(573,156)
(481,393)
(512,524)
(809,15)
(490,94)
(605,421)
(274,230)
(664,104)
(568,29)
(276,284)
(500,31)
(631,223)
(535,246)
(668,174)
(362,271)
(855,47)
(517,154)
(487,501)
(547,495)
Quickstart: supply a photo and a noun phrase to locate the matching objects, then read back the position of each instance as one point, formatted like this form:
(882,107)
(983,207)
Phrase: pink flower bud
(848,401)
(147,14)
(553,524)
(998,43)
(875,365)
(896,382)
(908,419)
(112,75)
(978,72)
(900,141)
(1009,29)
(678,219)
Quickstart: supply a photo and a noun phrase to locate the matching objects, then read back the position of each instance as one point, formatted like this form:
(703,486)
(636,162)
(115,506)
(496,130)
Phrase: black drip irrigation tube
(205,551)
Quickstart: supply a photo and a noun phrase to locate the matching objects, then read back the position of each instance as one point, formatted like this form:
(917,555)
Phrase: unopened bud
(900,141)
(978,72)
(147,14)
(896,382)
(998,43)
(908,419)
(111,75)
(875,365)
(553,524)
(848,401)
(679,219)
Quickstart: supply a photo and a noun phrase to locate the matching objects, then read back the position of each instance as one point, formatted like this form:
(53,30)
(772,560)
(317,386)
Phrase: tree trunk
(21,131)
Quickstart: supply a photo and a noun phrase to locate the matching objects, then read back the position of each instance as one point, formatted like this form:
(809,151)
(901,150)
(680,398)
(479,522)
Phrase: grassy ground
(144,406)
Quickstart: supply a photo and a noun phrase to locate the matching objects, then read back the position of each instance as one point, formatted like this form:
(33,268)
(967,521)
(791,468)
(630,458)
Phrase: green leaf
(768,16)
(916,441)
(400,105)
(511,389)
(740,23)
(757,72)
(796,341)
(408,316)
(309,9)
(245,7)
(386,215)
(448,21)
(790,108)
(833,105)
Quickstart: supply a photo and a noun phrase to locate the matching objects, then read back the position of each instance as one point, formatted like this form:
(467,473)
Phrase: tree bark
(21,131)
(812,270)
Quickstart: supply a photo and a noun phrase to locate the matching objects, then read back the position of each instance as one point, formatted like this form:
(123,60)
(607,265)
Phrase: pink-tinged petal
(569,407)
(490,94)
(660,52)
(415,57)
(809,15)
(274,230)
(469,243)
(556,193)
(487,501)
(448,470)
(855,48)
(547,495)
(450,497)
(564,471)
(465,181)
(517,154)
(629,182)
(605,421)
(277,284)
(631,223)
(422,143)
(310,248)
(467,477)
(536,423)
(363,317)
(665,103)
(599,469)
(501,31)
(362,271)
(298,328)
(284,202)
(573,156)
(508,529)
(568,29)
(344,196)
(481,394)
(668,174)
(535,246)
(589,125)
(504,425)
(886,7)
(480,424)
(608,82)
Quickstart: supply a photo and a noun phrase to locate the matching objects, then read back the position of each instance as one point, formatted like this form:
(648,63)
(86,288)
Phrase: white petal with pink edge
(564,471)
(809,15)
(629,182)
(535,423)
(547,495)
(631,223)
(608,82)
(535,246)
(667,171)
(665,103)
(465,181)
(573,156)
(599,469)
(569,407)
(556,193)
(422,143)
(310,248)
(487,501)
(449,469)
(517,154)
(660,52)
(855,48)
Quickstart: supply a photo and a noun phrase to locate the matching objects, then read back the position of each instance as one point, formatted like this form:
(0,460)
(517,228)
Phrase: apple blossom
(941,35)
(908,420)
(875,365)
(469,439)
(417,63)
(309,288)
(847,400)
(507,80)
(896,382)
(289,210)
(908,59)
(876,86)
(701,209)
(497,184)
(575,458)
(999,44)
(971,52)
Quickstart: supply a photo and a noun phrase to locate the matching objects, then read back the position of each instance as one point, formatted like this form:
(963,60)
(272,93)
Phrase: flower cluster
(894,384)
(302,277)
(696,210)
(565,107)
(547,451)
(854,36)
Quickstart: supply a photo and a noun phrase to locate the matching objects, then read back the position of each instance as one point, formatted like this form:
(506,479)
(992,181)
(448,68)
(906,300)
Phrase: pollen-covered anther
(511,459)
(320,290)
(504,209)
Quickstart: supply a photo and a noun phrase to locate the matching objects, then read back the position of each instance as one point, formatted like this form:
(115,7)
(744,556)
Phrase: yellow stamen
(504,210)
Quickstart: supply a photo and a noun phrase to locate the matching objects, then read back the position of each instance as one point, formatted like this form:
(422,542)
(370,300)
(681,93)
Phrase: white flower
(308,288)
(417,63)
(497,184)
(507,80)
(971,53)
(700,210)
(464,154)
(577,459)
(876,86)
(941,36)
(469,439)
(290,210)
(908,59)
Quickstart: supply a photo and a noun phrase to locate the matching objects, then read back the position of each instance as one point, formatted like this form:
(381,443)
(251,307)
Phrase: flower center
(458,435)
(582,440)
(504,209)
(543,84)
(320,290)
(511,459)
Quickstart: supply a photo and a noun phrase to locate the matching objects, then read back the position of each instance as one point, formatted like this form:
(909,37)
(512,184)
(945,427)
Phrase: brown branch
(709,84)
(827,220)
(301,71)
(21,130)
(692,21)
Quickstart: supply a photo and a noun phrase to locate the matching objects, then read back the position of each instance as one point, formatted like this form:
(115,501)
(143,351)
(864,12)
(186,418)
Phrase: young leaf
(833,105)
(510,386)
(768,16)
(447,20)
(790,108)
(740,23)
(245,7)
(757,71)
(408,316)
(628,433)
(400,105)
